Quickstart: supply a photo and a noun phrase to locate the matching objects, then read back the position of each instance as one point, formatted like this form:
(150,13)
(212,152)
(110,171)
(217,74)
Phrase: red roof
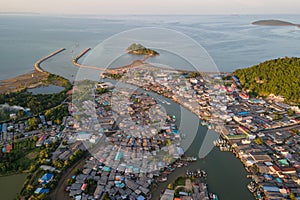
(8,148)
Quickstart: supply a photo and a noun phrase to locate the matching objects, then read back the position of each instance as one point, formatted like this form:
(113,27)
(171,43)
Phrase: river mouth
(49,89)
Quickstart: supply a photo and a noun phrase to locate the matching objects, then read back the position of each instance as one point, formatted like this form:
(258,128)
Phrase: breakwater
(37,65)
(75,61)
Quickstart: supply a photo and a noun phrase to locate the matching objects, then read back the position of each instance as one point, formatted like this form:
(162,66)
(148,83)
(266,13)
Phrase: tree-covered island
(139,49)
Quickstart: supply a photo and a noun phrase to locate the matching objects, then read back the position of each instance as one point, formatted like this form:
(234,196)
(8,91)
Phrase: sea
(231,41)
(219,42)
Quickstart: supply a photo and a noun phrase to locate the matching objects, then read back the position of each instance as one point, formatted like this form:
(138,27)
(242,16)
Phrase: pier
(37,66)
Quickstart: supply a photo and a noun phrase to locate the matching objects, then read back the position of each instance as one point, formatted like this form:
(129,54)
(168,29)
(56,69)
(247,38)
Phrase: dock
(37,65)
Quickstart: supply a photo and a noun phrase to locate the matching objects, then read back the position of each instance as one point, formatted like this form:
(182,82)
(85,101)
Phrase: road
(59,191)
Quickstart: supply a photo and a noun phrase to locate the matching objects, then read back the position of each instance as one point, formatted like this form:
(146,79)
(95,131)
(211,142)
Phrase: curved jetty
(75,61)
(37,66)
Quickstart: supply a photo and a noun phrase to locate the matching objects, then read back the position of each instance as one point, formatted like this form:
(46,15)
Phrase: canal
(11,185)
(226,175)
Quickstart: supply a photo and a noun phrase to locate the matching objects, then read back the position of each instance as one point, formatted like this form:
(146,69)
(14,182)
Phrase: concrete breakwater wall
(37,64)
(75,61)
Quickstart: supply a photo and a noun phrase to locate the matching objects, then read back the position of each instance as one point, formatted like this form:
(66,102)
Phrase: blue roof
(243,113)
(271,188)
(41,191)
(141,198)
(27,112)
(46,178)
(278,180)
(119,156)
(106,169)
(268,176)
(120,185)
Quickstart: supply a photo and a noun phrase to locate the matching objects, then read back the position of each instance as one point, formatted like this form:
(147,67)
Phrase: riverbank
(236,118)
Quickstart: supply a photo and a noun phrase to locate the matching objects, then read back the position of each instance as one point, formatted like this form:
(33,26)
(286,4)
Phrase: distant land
(19,13)
(273,22)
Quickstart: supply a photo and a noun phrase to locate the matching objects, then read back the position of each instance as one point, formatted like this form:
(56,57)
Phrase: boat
(251,187)
(215,197)
(244,96)
(209,126)
(162,179)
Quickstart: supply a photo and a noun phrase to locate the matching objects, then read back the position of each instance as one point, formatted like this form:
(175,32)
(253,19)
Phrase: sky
(152,6)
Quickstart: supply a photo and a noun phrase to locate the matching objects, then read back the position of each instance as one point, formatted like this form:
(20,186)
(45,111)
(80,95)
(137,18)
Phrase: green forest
(279,76)
(36,103)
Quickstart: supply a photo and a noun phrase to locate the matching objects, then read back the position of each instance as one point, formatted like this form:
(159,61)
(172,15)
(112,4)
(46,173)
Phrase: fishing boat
(251,187)
(162,179)
(244,96)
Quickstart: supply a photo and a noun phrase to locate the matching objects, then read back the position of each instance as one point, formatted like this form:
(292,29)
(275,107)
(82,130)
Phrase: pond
(50,89)
(11,185)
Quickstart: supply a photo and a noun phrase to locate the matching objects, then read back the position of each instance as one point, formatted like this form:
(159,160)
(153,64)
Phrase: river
(226,175)
(11,185)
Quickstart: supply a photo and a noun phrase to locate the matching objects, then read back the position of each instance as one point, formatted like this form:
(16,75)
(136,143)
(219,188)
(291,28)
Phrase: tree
(105,197)
(258,141)
(66,163)
(33,122)
(70,181)
(58,164)
(278,76)
(35,138)
(290,112)
(29,188)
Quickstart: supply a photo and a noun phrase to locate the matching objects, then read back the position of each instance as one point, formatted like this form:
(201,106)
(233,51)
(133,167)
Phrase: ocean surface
(230,40)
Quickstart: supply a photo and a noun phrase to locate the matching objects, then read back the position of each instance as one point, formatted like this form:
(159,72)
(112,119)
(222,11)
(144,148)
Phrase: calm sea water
(230,40)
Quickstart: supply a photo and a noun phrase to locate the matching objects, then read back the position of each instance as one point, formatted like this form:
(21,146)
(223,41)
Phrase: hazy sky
(152,6)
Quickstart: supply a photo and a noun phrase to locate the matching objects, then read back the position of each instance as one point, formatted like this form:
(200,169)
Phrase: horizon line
(140,14)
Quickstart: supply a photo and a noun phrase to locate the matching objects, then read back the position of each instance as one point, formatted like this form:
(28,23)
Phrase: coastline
(218,128)
(32,79)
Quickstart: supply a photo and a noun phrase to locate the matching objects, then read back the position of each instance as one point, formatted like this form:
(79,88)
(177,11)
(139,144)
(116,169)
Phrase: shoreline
(32,79)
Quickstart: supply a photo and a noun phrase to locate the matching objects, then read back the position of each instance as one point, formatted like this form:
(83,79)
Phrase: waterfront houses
(263,133)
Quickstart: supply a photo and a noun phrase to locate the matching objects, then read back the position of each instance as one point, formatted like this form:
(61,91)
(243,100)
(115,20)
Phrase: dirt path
(59,192)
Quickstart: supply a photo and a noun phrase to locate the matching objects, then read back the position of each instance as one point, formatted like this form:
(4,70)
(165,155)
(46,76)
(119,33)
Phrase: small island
(139,49)
(273,22)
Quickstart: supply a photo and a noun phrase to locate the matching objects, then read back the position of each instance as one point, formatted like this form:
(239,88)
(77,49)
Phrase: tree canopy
(279,76)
